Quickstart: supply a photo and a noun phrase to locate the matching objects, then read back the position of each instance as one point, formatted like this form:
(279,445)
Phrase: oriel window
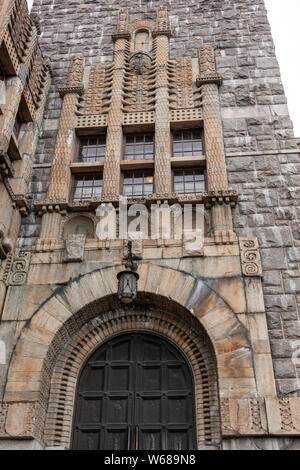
(137,183)
(92,149)
(139,147)
(187,143)
(189,181)
(87,186)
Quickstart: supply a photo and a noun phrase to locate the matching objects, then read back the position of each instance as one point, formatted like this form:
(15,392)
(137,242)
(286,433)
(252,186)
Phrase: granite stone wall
(261,153)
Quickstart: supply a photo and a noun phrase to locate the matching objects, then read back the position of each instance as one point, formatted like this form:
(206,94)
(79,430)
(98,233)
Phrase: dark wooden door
(135,392)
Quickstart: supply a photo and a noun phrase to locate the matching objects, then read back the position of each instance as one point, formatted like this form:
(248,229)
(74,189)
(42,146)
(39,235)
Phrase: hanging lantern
(127,291)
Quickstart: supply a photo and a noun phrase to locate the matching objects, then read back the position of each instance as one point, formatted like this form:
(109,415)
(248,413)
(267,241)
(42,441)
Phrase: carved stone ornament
(140,63)
(74,248)
(19,269)
(250,257)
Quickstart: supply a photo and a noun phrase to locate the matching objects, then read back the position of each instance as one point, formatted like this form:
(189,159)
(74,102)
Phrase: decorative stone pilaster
(114,138)
(214,144)
(209,81)
(59,186)
(60,179)
(163,180)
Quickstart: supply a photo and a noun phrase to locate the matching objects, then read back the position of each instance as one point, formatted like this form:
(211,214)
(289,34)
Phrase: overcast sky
(284,17)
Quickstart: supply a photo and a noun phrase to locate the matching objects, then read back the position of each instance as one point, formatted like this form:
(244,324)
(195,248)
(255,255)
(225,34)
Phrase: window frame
(136,134)
(174,131)
(187,168)
(78,144)
(77,176)
(137,170)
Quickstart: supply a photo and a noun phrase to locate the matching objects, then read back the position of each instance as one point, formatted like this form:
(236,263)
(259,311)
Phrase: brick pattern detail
(76,70)
(138,89)
(114,139)
(187,336)
(97,98)
(181,83)
(7,40)
(163,181)
(91,120)
(185,115)
(147,117)
(59,186)
(214,144)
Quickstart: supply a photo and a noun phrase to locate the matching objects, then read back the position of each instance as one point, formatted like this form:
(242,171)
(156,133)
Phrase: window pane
(178,187)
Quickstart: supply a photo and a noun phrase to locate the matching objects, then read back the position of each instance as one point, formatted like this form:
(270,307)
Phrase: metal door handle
(137,438)
(129,438)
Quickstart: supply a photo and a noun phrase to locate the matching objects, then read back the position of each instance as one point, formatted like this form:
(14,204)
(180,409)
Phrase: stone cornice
(161,32)
(74,89)
(208,198)
(124,35)
(206,80)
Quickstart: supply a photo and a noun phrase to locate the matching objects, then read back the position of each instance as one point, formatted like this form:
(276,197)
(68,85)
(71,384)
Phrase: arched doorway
(136,391)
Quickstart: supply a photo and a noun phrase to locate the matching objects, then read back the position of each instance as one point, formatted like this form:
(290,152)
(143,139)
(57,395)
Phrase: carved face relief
(140,63)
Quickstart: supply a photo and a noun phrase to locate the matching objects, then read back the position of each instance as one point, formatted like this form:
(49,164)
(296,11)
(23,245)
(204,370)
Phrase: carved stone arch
(183,332)
(60,317)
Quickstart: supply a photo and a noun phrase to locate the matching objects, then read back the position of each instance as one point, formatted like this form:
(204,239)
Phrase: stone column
(163,175)
(209,81)
(60,178)
(114,138)
(59,186)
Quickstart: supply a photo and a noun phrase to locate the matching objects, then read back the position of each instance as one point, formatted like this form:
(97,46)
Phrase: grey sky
(284,17)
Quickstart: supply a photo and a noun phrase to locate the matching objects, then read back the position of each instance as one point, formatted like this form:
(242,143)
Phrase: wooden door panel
(135,391)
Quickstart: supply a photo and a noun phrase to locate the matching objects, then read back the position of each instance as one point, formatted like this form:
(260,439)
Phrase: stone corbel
(124,35)
(45,206)
(161,32)
(208,79)
(66,89)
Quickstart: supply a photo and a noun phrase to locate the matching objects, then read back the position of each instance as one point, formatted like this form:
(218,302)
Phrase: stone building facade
(179,105)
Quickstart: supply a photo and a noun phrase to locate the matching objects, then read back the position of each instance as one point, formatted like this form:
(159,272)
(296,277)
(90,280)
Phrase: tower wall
(261,154)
